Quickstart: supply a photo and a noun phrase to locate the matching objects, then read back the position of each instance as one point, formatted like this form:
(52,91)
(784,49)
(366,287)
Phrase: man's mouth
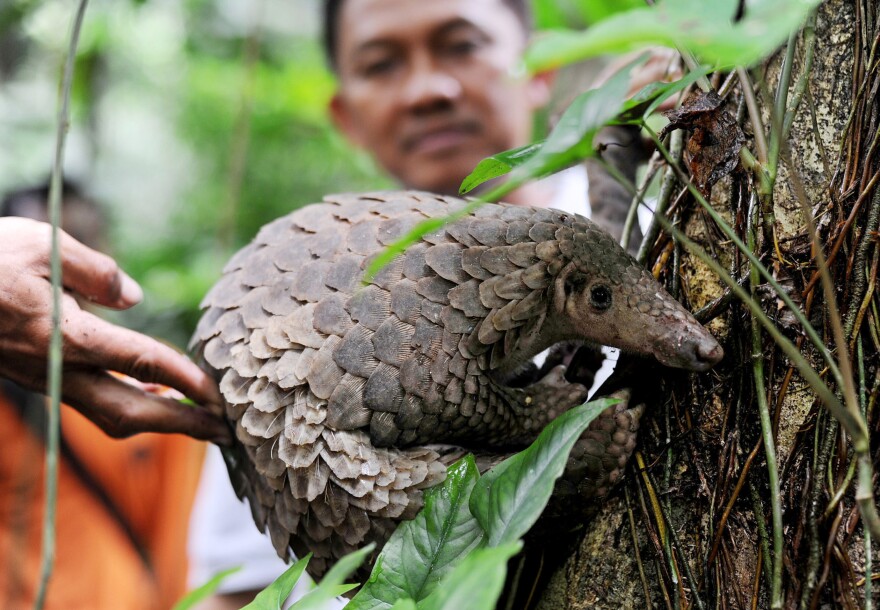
(439,140)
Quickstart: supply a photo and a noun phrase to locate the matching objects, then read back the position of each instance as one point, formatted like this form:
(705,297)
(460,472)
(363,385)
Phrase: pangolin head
(606,297)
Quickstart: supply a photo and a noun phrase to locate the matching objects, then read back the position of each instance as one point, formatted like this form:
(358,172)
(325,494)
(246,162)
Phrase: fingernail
(130,291)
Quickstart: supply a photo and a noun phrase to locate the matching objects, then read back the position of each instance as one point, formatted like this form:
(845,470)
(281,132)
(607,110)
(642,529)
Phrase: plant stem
(666,187)
(55,343)
(766,428)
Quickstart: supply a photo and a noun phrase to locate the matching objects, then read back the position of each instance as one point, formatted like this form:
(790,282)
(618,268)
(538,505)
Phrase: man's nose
(429,86)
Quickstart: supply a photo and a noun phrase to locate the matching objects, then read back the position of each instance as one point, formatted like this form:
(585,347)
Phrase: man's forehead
(363,22)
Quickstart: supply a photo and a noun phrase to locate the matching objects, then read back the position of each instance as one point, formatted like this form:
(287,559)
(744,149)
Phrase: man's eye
(378,67)
(462,48)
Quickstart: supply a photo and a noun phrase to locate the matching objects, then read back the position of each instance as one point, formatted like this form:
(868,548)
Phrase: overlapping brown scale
(397,224)
(355,353)
(445,261)
(324,374)
(218,354)
(458,231)
(289,259)
(345,274)
(435,289)
(496,262)
(391,341)
(261,424)
(345,406)
(511,286)
(362,237)
(471,262)
(251,308)
(260,348)
(370,306)
(299,327)
(226,293)
(243,361)
(298,456)
(466,298)
(383,390)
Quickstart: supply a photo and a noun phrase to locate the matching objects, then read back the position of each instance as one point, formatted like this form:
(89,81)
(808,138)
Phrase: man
(429,89)
(123,505)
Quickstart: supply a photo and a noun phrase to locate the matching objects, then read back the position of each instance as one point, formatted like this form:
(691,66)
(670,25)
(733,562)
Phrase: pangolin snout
(696,352)
(704,353)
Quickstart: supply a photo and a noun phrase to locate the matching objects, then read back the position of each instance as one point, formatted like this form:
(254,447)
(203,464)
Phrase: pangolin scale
(349,399)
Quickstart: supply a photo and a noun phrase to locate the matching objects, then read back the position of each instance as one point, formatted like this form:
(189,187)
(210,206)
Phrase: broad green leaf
(203,592)
(508,499)
(424,550)
(475,583)
(641,105)
(498,165)
(332,584)
(570,141)
(704,28)
(577,13)
(273,596)
(404,604)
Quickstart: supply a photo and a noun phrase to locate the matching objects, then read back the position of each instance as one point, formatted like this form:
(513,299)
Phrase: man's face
(427,86)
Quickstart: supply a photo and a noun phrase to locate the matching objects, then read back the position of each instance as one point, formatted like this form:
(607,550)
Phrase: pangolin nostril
(710,351)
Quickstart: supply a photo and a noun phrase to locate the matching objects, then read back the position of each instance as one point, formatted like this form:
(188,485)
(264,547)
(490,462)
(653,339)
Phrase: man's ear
(340,114)
(540,88)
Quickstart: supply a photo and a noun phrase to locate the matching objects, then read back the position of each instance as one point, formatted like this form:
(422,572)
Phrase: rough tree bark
(703,469)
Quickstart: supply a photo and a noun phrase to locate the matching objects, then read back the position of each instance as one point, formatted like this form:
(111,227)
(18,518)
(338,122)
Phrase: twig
(55,343)
(766,427)
(754,114)
(675,148)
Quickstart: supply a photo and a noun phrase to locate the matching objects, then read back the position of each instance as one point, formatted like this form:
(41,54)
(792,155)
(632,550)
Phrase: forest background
(193,123)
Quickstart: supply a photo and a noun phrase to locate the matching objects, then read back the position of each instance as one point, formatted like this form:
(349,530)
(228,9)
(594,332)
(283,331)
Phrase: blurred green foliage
(250,136)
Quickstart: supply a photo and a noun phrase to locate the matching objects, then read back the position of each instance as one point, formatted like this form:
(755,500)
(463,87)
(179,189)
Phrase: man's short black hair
(83,218)
(332,9)
(15,202)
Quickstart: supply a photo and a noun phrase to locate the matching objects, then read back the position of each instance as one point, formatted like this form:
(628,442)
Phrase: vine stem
(766,428)
(55,344)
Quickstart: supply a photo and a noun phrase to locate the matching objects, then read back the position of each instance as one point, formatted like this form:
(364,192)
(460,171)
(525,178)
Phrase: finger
(121,409)
(96,276)
(89,340)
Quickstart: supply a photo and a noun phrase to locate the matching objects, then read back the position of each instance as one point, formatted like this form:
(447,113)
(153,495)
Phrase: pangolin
(349,398)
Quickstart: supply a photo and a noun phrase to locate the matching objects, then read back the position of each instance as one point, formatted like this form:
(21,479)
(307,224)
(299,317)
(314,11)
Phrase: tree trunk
(682,531)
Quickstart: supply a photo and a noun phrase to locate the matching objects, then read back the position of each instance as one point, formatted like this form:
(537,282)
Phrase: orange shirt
(151,478)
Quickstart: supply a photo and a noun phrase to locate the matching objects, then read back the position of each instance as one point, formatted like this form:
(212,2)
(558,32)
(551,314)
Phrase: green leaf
(332,584)
(475,583)
(404,604)
(508,499)
(203,592)
(570,141)
(704,28)
(273,596)
(422,551)
(641,105)
(498,165)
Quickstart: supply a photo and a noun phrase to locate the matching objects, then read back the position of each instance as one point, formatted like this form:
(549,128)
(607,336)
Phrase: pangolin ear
(561,288)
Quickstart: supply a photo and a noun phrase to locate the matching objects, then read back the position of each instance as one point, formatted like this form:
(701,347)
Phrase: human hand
(93,347)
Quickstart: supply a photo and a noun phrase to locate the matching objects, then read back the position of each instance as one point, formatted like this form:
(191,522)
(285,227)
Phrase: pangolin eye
(600,297)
